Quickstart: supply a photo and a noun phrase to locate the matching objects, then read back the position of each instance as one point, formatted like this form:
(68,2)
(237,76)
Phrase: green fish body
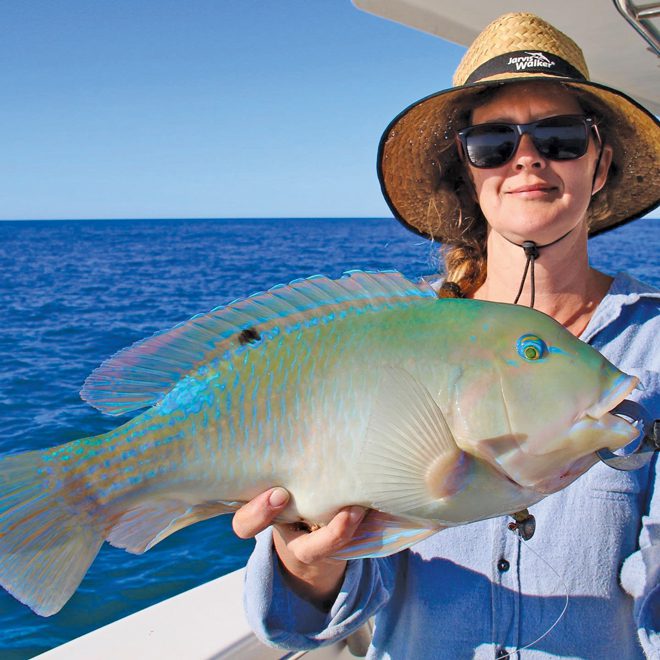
(364,390)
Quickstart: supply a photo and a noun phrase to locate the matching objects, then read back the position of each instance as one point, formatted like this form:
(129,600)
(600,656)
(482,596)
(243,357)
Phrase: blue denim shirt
(469,591)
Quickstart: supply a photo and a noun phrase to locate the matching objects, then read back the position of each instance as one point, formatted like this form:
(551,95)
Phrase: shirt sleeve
(640,574)
(628,340)
(281,618)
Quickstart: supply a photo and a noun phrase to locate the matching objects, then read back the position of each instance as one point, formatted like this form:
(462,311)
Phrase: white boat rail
(614,51)
(641,18)
(204,623)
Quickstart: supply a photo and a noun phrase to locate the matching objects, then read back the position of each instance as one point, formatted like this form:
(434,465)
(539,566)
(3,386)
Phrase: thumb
(259,512)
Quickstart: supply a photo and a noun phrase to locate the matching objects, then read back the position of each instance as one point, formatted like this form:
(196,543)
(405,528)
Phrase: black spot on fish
(248,336)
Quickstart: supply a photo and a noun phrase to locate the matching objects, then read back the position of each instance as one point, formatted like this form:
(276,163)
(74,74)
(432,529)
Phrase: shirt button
(503,565)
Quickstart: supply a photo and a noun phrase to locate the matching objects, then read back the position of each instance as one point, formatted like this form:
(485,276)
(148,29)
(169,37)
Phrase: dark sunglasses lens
(490,145)
(561,138)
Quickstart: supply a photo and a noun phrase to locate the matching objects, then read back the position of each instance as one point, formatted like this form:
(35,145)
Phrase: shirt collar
(625,290)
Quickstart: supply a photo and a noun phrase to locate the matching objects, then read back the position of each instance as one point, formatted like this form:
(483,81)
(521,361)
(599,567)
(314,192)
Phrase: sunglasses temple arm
(600,155)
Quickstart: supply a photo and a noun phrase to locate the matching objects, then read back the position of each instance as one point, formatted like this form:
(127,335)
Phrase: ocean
(72,293)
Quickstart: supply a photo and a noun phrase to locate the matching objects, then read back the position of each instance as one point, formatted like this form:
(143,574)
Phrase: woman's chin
(542,228)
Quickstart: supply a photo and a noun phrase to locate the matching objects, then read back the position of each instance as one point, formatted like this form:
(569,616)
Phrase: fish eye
(531,347)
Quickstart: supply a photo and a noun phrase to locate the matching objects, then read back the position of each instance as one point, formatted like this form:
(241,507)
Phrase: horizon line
(221,218)
(255,217)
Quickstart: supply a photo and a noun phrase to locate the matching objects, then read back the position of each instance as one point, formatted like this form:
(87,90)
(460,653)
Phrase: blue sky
(202,108)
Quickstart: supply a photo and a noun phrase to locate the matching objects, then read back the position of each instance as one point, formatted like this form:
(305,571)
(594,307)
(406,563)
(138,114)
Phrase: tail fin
(44,549)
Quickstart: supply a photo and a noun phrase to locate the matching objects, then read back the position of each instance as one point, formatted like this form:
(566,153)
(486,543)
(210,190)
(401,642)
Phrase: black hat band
(525,61)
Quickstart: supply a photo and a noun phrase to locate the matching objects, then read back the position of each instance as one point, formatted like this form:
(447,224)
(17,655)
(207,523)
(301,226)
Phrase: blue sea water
(74,292)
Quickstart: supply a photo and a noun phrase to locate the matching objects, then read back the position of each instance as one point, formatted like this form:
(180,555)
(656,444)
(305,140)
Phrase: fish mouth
(612,397)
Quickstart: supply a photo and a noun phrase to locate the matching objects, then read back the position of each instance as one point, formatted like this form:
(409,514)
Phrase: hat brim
(407,167)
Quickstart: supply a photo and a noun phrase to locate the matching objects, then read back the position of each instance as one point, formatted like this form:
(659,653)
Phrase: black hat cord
(532,254)
(531,250)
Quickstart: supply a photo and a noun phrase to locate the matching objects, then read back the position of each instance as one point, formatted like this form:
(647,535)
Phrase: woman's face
(531,197)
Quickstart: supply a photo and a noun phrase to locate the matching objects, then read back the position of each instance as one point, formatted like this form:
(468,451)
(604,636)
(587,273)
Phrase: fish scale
(365,390)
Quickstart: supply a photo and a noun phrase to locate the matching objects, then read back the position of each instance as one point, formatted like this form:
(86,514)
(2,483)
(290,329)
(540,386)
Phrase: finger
(259,512)
(324,542)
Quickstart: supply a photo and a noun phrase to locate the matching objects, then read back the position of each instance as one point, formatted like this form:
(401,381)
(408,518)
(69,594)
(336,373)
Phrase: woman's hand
(305,557)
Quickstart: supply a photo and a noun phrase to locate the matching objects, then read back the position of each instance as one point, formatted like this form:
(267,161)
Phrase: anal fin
(143,526)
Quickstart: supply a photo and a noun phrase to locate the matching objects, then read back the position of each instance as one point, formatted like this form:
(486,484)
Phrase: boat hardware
(640,17)
(648,440)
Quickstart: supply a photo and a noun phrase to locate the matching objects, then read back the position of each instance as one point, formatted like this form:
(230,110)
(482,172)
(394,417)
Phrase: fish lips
(618,430)
(589,430)
(611,398)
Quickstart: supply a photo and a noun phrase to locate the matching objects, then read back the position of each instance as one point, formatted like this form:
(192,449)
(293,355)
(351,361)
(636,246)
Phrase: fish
(362,390)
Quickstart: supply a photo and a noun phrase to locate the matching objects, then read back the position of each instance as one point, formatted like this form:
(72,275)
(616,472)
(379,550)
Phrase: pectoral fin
(410,457)
(382,534)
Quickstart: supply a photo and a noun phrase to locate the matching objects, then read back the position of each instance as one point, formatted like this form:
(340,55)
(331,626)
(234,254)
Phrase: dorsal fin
(143,373)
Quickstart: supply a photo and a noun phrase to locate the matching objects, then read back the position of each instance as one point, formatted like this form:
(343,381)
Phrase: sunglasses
(565,137)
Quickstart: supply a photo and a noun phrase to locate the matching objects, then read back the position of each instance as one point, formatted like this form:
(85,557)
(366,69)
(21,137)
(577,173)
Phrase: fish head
(542,408)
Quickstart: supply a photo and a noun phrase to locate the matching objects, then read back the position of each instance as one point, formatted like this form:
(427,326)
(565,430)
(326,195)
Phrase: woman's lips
(533,191)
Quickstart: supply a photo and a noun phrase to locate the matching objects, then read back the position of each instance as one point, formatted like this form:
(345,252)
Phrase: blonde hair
(463,248)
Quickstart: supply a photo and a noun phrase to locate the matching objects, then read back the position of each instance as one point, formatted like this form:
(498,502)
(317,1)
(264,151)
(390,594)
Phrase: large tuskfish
(364,390)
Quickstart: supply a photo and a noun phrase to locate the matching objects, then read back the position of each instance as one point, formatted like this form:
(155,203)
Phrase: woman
(512,169)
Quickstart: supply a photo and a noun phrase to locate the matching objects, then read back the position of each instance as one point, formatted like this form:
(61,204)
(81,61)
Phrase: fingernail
(355,514)
(278,497)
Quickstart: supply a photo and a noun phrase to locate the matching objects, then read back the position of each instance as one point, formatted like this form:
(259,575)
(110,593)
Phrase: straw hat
(513,48)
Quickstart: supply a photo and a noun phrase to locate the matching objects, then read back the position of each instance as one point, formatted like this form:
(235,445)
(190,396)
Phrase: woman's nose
(526,155)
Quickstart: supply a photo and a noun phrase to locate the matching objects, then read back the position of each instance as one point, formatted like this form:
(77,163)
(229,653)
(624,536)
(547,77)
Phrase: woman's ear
(600,176)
